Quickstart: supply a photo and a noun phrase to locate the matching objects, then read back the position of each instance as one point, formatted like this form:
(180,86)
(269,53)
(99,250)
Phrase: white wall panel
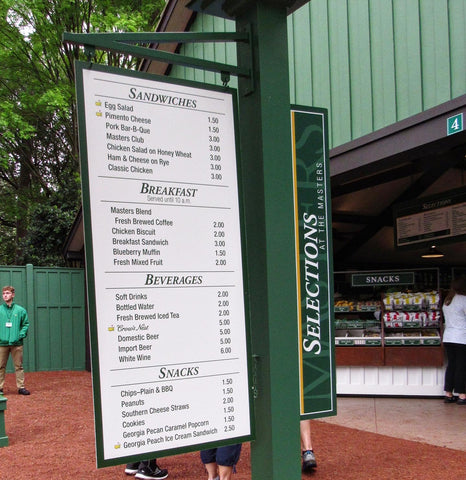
(404,381)
(371,376)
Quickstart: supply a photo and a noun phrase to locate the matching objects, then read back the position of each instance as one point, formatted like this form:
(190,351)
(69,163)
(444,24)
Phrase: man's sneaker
(132,468)
(309,460)
(146,473)
(24,391)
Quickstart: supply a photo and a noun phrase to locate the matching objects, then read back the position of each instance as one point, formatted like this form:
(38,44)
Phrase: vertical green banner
(314,269)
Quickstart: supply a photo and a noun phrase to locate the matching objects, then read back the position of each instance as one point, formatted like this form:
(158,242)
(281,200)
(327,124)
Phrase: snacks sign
(382,278)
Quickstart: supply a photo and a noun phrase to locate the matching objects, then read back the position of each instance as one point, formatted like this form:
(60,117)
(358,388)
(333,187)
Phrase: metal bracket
(89,51)
(125,43)
(255,368)
(248,58)
(225,76)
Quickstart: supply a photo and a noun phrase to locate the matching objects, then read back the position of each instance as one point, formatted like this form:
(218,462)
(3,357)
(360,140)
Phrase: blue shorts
(225,456)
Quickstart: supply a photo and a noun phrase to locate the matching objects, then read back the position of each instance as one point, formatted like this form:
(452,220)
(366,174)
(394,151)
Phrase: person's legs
(211,470)
(449,383)
(308,457)
(4,353)
(305,430)
(17,356)
(225,473)
(227,458)
(209,459)
(132,468)
(460,370)
(220,462)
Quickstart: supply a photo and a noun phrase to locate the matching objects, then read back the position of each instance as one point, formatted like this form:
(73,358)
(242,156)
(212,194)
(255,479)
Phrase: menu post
(165,264)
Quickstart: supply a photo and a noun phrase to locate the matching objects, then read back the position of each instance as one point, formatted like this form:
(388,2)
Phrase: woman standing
(454,340)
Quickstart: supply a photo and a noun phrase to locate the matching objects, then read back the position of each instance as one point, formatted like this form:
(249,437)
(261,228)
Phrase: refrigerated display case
(388,318)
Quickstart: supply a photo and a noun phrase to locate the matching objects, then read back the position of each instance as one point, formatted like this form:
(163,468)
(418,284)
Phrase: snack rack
(396,325)
(356,323)
(412,319)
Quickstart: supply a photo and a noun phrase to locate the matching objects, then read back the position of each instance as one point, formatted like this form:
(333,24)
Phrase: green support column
(268,198)
(265,142)
(3,436)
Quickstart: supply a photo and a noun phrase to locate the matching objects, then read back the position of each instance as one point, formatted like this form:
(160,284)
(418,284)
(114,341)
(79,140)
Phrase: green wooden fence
(55,301)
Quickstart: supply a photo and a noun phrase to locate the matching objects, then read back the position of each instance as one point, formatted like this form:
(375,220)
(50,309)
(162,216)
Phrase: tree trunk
(22,219)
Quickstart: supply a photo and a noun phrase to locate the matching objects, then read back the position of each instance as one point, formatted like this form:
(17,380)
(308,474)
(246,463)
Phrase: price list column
(169,326)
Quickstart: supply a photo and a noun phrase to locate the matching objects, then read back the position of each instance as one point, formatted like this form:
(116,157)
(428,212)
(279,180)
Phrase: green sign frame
(99,404)
(314,262)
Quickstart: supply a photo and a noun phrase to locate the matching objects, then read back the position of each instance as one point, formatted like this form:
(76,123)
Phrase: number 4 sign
(455,124)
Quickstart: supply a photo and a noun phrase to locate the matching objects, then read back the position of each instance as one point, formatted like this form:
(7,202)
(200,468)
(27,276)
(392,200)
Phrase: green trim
(246,293)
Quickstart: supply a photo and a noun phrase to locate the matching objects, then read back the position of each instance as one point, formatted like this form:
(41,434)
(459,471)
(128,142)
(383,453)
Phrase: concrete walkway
(418,419)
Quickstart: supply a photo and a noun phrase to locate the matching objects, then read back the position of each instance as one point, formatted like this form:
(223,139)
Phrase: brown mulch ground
(51,436)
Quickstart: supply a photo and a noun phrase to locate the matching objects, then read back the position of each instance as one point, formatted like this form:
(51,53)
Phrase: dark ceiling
(372,175)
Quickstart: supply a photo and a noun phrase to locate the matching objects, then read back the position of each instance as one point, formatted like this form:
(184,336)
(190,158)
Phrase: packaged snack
(394,319)
(433,300)
(432,319)
(388,302)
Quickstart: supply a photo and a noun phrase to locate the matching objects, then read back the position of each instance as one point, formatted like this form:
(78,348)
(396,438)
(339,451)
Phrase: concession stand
(399,230)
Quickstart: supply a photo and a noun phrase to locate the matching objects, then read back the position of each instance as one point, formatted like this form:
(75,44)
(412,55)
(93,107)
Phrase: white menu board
(167,264)
(431,218)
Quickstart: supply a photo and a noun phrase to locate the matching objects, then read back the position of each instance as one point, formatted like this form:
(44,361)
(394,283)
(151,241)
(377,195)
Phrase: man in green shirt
(14,326)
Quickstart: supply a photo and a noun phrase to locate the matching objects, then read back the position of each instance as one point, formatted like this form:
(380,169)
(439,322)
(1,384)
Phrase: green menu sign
(159,160)
(314,267)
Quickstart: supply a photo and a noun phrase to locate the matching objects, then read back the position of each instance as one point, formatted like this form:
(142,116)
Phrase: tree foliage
(39,161)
